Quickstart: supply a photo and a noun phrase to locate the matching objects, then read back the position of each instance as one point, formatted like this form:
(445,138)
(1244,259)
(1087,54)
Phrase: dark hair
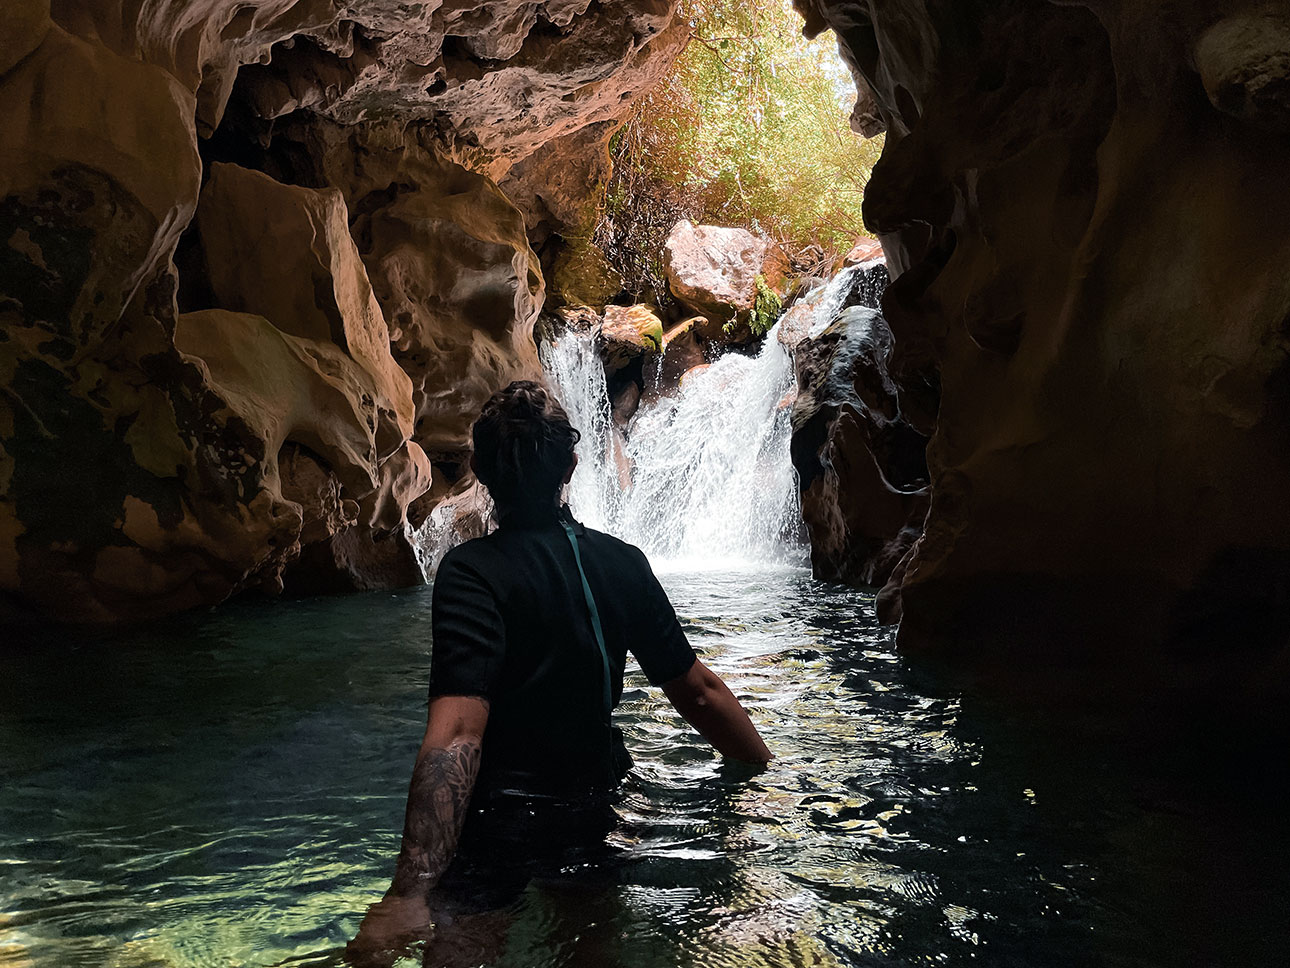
(523,446)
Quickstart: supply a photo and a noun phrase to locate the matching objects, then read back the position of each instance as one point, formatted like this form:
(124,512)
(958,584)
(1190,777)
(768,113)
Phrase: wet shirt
(510,624)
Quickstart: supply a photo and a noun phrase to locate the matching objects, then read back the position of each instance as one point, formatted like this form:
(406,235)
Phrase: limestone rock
(865,250)
(860,284)
(181,425)
(1244,63)
(714,271)
(555,188)
(1084,214)
(460,514)
(860,467)
(450,264)
(497,80)
(310,281)
(628,332)
(625,404)
(682,352)
(93,435)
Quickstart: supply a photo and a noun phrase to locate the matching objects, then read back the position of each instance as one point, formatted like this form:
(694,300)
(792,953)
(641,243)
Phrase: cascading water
(704,474)
(575,372)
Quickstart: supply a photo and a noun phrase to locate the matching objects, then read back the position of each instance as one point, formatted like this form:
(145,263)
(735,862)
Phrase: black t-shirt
(510,624)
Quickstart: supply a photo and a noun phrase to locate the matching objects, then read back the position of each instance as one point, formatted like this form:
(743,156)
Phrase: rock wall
(1084,207)
(861,467)
(256,275)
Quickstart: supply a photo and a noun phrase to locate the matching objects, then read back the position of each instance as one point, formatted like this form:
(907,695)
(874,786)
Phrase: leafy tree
(749,128)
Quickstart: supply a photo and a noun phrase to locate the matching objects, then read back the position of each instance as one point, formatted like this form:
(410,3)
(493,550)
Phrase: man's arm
(710,707)
(442,782)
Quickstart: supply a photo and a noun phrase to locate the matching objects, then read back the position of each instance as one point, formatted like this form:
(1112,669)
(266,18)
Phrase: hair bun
(523,445)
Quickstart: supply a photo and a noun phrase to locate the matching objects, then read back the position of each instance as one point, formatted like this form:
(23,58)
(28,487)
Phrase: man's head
(523,447)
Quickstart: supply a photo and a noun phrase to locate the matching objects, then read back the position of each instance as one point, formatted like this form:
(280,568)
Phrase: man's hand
(710,707)
(438,797)
(391,927)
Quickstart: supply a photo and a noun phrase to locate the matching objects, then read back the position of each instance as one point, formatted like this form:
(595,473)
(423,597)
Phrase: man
(531,629)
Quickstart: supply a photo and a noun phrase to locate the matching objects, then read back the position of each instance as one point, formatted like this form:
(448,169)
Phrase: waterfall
(703,476)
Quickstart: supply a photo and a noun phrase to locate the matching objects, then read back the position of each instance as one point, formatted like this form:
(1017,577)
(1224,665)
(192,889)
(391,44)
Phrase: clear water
(227,790)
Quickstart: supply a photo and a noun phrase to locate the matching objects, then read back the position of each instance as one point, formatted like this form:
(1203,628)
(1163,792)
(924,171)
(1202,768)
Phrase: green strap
(595,618)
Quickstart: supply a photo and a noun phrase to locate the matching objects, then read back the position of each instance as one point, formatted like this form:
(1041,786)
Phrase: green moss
(766,308)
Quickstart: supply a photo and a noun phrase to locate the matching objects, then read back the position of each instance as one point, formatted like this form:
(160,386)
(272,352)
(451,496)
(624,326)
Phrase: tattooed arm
(442,782)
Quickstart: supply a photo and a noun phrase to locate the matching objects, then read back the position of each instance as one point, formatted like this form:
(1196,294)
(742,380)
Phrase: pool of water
(227,789)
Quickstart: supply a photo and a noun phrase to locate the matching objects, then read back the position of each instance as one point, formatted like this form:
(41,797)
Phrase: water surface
(227,789)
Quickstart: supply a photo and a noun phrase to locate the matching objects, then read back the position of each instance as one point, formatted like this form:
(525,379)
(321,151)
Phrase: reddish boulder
(716,272)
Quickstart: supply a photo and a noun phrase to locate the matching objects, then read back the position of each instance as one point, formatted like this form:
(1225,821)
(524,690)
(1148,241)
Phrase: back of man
(512,625)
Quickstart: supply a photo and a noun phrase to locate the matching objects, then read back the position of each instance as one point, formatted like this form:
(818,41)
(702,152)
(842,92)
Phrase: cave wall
(257,274)
(1084,206)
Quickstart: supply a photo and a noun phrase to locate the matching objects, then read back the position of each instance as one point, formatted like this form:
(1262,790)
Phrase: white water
(706,478)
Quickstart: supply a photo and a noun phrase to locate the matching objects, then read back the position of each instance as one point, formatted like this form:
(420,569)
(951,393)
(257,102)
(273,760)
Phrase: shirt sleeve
(657,639)
(468,635)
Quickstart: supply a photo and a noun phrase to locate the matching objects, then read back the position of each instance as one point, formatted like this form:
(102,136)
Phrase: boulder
(721,273)
(860,284)
(626,333)
(682,351)
(860,467)
(865,250)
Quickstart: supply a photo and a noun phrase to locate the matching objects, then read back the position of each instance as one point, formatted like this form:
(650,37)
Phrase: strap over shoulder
(607,690)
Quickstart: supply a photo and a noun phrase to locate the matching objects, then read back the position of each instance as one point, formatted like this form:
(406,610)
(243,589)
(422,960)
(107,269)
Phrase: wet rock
(1103,379)
(860,466)
(626,333)
(462,513)
(861,284)
(715,271)
(496,80)
(625,404)
(683,349)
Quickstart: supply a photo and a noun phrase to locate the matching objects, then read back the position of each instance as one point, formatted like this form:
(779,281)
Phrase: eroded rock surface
(354,287)
(628,333)
(861,467)
(1084,210)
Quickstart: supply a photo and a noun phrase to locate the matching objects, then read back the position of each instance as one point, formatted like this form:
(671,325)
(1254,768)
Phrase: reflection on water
(228,790)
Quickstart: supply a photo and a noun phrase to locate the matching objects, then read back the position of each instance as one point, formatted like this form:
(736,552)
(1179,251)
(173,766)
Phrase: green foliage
(766,308)
(750,128)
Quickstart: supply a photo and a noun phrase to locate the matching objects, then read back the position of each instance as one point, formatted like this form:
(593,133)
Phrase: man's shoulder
(470,553)
(616,548)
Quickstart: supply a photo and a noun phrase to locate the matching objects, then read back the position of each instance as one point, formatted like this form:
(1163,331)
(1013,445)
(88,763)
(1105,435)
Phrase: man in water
(531,629)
